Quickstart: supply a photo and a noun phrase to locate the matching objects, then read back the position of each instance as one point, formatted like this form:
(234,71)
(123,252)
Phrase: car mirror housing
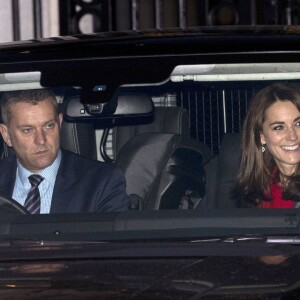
(123,106)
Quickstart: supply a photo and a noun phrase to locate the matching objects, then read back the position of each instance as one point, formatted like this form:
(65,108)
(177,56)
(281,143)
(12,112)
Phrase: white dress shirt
(22,184)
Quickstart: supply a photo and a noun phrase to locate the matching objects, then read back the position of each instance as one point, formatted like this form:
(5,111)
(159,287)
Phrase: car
(167,108)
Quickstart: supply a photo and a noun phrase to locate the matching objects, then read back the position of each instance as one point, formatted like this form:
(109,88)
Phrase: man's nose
(40,137)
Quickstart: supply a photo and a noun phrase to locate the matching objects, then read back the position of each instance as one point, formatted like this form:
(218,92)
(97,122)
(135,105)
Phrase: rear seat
(221,173)
(79,138)
(160,160)
(166,119)
(1,145)
(164,170)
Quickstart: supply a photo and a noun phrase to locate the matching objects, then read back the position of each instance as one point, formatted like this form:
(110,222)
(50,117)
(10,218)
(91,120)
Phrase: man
(67,182)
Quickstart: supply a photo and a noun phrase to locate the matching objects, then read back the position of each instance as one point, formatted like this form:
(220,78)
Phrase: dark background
(118,15)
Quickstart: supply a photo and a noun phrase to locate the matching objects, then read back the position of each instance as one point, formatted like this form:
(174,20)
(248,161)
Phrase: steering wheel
(11,206)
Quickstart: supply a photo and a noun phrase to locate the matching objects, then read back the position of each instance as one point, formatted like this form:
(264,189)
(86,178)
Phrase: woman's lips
(290,148)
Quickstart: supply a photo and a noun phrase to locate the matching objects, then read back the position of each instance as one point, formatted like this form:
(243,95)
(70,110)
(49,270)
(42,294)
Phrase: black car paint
(77,271)
(145,58)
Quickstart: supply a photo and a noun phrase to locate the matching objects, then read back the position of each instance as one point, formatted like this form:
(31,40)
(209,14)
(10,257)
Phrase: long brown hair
(256,169)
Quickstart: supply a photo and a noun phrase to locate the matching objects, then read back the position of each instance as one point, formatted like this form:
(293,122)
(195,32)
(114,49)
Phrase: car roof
(114,59)
(154,41)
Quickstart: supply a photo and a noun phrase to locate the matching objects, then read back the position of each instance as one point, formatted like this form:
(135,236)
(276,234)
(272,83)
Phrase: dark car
(167,108)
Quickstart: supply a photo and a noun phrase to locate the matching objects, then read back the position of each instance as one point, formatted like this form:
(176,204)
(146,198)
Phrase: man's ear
(60,119)
(5,134)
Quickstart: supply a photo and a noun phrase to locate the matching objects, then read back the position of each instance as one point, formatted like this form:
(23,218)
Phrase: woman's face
(281,134)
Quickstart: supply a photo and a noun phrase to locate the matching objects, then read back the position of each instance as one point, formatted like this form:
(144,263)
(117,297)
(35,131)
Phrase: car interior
(157,155)
(178,142)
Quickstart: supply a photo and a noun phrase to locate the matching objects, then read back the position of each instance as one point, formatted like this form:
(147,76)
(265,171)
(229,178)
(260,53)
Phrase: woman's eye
(278,127)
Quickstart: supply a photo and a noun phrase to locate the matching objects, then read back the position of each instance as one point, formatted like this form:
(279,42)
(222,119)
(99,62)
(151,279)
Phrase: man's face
(34,134)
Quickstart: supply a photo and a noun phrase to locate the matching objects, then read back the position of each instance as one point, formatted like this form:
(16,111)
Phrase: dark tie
(33,200)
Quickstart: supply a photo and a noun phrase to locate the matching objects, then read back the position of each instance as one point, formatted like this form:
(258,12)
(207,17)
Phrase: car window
(175,133)
(206,104)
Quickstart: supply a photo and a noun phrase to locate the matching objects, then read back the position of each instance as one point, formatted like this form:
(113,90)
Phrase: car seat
(1,144)
(162,169)
(221,173)
(79,138)
(161,163)
(165,119)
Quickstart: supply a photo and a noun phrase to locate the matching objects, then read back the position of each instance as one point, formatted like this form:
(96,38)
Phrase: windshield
(177,145)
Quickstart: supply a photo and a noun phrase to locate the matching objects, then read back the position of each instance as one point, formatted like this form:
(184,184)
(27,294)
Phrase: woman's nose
(292,134)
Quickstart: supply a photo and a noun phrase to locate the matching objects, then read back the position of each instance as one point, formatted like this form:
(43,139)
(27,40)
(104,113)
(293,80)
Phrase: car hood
(153,270)
(151,255)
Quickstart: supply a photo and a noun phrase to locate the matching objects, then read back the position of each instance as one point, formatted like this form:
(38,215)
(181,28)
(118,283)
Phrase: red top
(277,199)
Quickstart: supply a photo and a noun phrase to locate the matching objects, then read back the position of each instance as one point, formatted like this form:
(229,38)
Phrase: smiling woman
(269,170)
(281,133)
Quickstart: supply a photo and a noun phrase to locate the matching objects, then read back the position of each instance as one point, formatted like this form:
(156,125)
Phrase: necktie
(33,200)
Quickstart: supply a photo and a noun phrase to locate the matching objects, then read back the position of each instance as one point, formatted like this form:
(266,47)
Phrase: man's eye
(27,130)
(50,126)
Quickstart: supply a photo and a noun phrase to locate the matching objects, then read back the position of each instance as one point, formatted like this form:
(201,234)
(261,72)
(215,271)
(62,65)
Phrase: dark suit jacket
(81,185)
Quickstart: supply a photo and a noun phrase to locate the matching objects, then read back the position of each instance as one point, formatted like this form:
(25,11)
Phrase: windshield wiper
(294,240)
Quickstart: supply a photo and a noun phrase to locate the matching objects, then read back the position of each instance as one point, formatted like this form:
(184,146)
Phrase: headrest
(165,119)
(1,144)
(228,166)
(79,138)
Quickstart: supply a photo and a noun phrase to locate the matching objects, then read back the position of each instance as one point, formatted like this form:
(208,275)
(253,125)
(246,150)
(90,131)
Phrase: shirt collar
(49,173)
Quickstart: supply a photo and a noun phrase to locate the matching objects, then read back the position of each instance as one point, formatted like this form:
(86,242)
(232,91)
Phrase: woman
(269,174)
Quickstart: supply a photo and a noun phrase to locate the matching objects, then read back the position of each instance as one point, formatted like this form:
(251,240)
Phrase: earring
(263,148)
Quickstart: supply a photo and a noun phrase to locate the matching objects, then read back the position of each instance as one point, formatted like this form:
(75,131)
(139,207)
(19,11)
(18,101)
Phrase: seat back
(5,150)
(162,168)
(1,145)
(79,138)
(165,119)
(222,171)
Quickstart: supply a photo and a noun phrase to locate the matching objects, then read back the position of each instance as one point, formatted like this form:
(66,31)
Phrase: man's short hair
(28,96)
